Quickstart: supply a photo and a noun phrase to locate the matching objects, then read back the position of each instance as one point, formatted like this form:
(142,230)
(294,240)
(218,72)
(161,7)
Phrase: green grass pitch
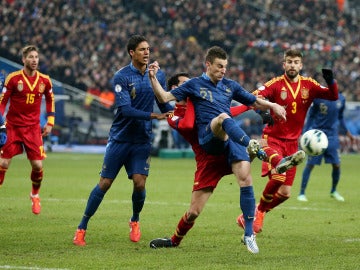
(319,234)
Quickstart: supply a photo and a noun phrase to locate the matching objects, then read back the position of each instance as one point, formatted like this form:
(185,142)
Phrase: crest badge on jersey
(133,93)
(118,88)
(283,94)
(304,93)
(20,86)
(42,87)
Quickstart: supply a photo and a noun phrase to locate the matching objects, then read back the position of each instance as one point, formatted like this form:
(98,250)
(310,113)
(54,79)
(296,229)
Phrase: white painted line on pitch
(306,208)
(352,240)
(29,268)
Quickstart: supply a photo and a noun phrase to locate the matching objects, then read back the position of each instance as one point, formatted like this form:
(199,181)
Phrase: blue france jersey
(211,100)
(134,89)
(327,116)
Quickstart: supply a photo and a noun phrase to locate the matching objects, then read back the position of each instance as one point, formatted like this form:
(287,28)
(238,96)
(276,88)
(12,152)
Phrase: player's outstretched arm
(162,95)
(263,105)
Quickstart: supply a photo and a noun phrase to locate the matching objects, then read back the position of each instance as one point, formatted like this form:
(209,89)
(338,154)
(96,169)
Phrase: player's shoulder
(125,70)
(44,76)
(309,80)
(229,82)
(275,80)
(122,74)
(12,75)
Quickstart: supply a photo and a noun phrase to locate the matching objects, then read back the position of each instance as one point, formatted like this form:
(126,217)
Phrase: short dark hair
(174,80)
(27,49)
(215,52)
(134,41)
(293,53)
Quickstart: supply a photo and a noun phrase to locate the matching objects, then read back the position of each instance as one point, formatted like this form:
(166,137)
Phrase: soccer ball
(314,142)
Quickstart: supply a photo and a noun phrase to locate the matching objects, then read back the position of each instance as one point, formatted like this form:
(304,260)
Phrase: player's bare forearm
(161,116)
(277,109)
(159,92)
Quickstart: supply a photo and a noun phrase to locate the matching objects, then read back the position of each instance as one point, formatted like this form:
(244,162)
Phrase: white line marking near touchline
(29,268)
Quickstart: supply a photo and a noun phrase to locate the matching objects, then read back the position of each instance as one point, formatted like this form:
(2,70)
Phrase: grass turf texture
(319,234)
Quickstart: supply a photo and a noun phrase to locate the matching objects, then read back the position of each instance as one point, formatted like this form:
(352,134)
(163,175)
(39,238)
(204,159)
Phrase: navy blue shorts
(331,154)
(214,146)
(135,158)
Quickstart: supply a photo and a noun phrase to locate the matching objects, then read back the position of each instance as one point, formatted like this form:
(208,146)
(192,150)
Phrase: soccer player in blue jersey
(327,116)
(218,132)
(130,135)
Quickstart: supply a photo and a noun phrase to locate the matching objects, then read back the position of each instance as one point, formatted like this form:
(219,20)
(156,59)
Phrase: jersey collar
(133,68)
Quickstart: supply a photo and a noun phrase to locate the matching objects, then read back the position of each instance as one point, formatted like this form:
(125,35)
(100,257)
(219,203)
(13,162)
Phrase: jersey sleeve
(50,103)
(342,123)
(188,121)
(331,93)
(183,118)
(241,95)
(236,110)
(121,90)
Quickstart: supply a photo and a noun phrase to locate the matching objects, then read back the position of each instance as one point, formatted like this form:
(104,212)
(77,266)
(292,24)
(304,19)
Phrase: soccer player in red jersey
(295,93)
(209,168)
(25,89)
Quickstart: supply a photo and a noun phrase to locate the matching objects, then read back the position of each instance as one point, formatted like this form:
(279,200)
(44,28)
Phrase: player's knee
(284,192)
(36,175)
(4,163)
(139,181)
(192,215)
(223,116)
(283,196)
(105,183)
(244,180)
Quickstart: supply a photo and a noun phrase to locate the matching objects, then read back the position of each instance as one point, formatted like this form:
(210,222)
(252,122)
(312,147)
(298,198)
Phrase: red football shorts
(284,148)
(209,171)
(24,138)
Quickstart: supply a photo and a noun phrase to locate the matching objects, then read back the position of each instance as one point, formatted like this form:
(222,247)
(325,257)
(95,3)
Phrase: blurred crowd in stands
(83,43)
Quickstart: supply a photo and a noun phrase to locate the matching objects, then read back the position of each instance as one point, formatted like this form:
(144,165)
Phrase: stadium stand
(82,42)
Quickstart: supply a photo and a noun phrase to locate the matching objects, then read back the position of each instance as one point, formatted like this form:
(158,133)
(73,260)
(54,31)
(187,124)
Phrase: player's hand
(328,75)
(3,135)
(46,130)
(161,116)
(266,118)
(170,114)
(279,111)
(153,69)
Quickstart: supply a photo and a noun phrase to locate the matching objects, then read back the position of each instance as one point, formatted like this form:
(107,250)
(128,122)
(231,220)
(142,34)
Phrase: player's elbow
(165,97)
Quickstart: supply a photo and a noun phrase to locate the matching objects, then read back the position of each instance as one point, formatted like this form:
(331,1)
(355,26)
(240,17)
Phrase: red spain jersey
(296,98)
(25,94)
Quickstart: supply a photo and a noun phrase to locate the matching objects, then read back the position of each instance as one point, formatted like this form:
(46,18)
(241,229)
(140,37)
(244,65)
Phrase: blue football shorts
(214,146)
(135,158)
(331,154)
